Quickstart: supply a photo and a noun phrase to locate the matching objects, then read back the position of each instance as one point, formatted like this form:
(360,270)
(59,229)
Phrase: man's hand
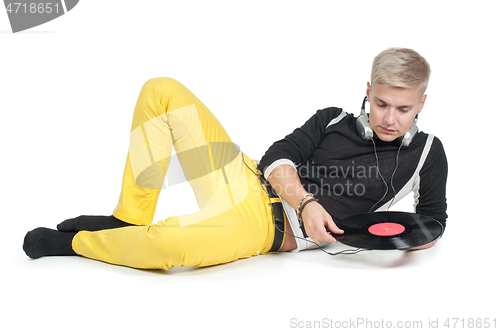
(285,181)
(315,218)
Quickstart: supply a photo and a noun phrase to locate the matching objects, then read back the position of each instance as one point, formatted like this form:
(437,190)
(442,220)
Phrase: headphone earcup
(363,127)
(410,134)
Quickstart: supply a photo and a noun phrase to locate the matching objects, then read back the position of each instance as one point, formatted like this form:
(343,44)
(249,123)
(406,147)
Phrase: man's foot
(91,223)
(48,242)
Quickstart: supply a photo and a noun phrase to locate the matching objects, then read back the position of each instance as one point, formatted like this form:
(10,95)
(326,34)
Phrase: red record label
(386,229)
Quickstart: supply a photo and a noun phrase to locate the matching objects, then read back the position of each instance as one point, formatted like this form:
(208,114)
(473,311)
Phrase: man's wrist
(308,198)
(303,199)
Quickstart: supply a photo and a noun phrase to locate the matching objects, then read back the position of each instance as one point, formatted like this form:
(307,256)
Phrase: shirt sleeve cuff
(275,164)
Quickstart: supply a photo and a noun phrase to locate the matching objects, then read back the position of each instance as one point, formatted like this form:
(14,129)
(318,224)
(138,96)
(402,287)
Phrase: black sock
(91,223)
(48,242)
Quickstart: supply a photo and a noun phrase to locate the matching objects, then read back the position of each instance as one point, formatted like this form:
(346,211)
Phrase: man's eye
(381,105)
(404,110)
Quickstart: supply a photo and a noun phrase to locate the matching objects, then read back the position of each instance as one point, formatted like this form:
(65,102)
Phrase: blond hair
(402,68)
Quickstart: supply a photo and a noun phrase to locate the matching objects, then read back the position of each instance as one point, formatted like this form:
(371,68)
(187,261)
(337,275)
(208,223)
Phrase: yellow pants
(235,218)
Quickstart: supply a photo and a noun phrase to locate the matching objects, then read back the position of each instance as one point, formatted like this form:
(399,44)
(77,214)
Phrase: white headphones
(366,131)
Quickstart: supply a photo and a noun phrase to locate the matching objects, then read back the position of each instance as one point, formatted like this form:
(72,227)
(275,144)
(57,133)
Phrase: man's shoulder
(434,140)
(432,148)
(335,115)
(330,112)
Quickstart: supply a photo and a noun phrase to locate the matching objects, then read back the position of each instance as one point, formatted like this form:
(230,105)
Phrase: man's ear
(368,88)
(421,105)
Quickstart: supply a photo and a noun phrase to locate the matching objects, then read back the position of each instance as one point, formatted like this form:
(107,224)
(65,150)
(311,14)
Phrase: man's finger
(334,228)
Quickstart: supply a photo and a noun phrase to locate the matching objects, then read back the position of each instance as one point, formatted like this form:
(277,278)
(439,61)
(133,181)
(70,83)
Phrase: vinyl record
(388,230)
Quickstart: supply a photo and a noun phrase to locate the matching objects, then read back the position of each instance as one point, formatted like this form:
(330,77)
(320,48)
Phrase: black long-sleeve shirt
(339,167)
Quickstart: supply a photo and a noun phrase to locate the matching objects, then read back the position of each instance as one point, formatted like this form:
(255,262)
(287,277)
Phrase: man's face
(392,110)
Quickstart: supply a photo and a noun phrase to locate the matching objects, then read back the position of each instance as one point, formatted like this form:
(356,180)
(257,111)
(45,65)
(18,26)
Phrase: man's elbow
(422,247)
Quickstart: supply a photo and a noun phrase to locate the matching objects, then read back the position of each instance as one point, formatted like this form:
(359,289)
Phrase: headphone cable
(392,176)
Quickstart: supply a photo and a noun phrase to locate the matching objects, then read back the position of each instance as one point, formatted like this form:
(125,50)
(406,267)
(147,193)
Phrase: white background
(67,93)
